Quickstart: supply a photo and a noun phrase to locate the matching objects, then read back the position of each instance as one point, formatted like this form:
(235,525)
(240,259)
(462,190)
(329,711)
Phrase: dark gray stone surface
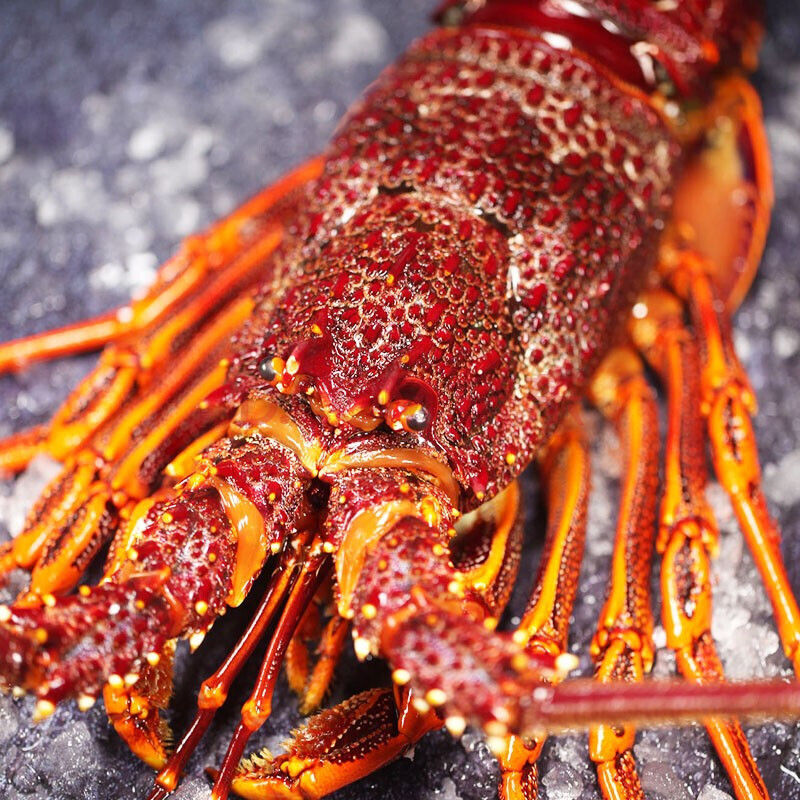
(125,126)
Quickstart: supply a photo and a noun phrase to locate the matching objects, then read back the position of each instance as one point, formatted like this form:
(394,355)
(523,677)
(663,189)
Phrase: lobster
(338,385)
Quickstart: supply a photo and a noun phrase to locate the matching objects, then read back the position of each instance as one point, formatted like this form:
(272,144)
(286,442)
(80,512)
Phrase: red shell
(482,220)
(688,41)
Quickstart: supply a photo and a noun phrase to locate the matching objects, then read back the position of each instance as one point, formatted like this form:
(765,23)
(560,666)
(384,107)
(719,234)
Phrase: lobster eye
(418,420)
(266,369)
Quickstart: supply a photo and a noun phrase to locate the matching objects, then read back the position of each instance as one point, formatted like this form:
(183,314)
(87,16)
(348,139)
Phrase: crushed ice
(709,792)
(358,37)
(147,141)
(6,144)
(660,778)
(562,782)
(446,791)
(781,482)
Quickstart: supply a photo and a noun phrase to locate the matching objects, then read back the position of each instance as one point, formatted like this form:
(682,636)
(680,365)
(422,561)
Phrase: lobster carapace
(340,383)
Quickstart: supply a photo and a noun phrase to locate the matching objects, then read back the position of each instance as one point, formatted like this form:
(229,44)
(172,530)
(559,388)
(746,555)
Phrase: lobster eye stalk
(418,420)
(267,368)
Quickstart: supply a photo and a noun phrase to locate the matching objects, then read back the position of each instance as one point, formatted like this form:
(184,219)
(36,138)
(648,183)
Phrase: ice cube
(562,782)
(660,778)
(710,792)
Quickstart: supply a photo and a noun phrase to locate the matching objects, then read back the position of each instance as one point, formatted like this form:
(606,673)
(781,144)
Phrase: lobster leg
(135,711)
(565,470)
(723,202)
(205,275)
(728,404)
(79,337)
(622,647)
(214,689)
(330,648)
(688,533)
(17,450)
(258,708)
(55,506)
(208,252)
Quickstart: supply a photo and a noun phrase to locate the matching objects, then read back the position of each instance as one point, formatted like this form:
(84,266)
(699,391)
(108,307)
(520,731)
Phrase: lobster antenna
(257,709)
(582,702)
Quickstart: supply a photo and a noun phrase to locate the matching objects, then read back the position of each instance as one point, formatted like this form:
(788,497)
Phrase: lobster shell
(237,140)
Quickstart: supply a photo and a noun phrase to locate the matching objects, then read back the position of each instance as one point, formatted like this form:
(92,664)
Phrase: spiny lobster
(346,376)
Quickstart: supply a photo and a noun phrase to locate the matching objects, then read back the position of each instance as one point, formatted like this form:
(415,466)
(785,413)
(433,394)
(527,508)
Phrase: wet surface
(124,127)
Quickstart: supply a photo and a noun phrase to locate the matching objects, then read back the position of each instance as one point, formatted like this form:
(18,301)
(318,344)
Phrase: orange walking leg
(298,656)
(17,450)
(687,532)
(622,648)
(205,274)
(77,512)
(728,404)
(198,256)
(544,627)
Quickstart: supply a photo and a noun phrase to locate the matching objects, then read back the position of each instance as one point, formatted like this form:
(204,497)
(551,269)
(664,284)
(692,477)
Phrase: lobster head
(407,326)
